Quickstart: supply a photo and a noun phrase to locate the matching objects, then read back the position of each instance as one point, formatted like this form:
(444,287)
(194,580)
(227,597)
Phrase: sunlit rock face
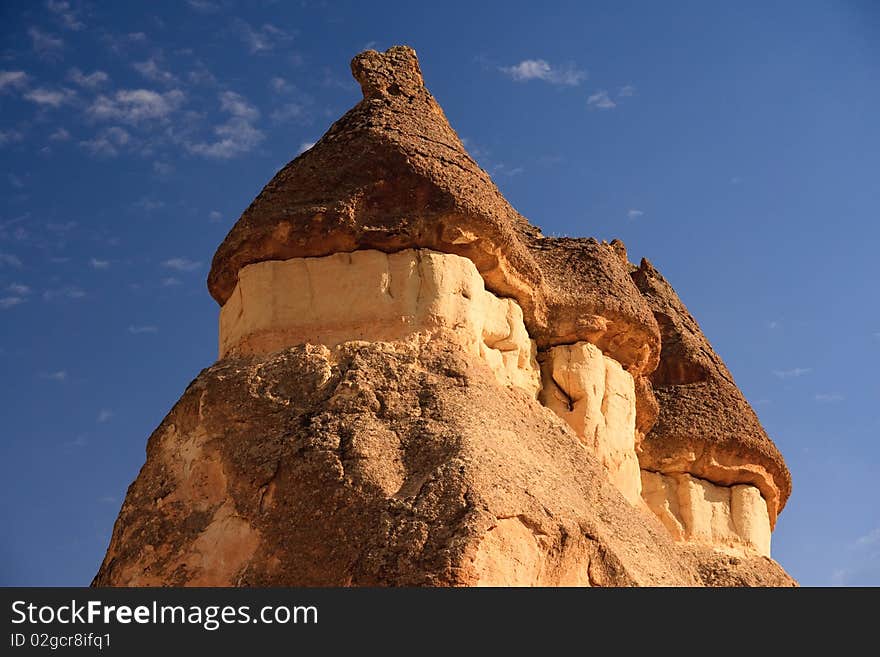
(415,387)
(729,518)
(596,397)
(372,296)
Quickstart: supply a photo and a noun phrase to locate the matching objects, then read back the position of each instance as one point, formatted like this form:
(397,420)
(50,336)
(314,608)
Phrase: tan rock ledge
(377,297)
(727,518)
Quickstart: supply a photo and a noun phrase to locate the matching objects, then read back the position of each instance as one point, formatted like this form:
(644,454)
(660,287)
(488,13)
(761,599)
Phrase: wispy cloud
(49,97)
(792,373)
(138,330)
(58,375)
(634,214)
(288,112)
(65,14)
(10,302)
(238,106)
(304,146)
(9,260)
(151,70)
(134,106)
(540,69)
(827,398)
(19,289)
(60,135)
(626,91)
(601,100)
(182,264)
(204,6)
(170,281)
(104,415)
(94,263)
(261,39)
(214,215)
(44,44)
(280,85)
(107,142)
(66,292)
(12,79)
(10,136)
(91,81)
(237,135)
(773,324)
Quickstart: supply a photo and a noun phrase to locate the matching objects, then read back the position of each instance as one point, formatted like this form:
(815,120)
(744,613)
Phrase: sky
(736,145)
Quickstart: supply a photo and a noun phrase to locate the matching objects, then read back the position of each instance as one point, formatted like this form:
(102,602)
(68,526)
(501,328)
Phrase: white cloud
(601,100)
(214,215)
(280,85)
(626,91)
(134,106)
(539,69)
(303,147)
(237,135)
(66,292)
(43,43)
(262,39)
(9,260)
(49,97)
(148,204)
(773,324)
(91,81)
(94,263)
(59,375)
(829,397)
(60,135)
(65,14)
(10,136)
(163,168)
(19,289)
(181,264)
(137,330)
(170,281)
(8,302)
(12,79)
(634,214)
(794,372)
(104,415)
(151,70)
(288,112)
(238,106)
(204,6)
(107,142)
(869,539)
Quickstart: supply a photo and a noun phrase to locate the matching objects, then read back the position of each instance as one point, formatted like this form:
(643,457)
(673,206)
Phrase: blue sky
(736,145)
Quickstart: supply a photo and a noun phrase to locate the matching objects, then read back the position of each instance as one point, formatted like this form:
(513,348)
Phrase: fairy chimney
(417,388)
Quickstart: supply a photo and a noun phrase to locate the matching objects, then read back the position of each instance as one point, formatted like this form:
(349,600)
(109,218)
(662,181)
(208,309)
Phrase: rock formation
(415,387)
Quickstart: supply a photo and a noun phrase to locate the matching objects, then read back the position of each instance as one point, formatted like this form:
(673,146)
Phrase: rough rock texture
(378,415)
(377,464)
(705,426)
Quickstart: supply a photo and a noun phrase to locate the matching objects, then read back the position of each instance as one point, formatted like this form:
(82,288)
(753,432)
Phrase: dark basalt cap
(392,174)
(705,426)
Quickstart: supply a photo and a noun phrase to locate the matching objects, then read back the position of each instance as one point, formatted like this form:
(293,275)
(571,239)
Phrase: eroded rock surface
(416,387)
